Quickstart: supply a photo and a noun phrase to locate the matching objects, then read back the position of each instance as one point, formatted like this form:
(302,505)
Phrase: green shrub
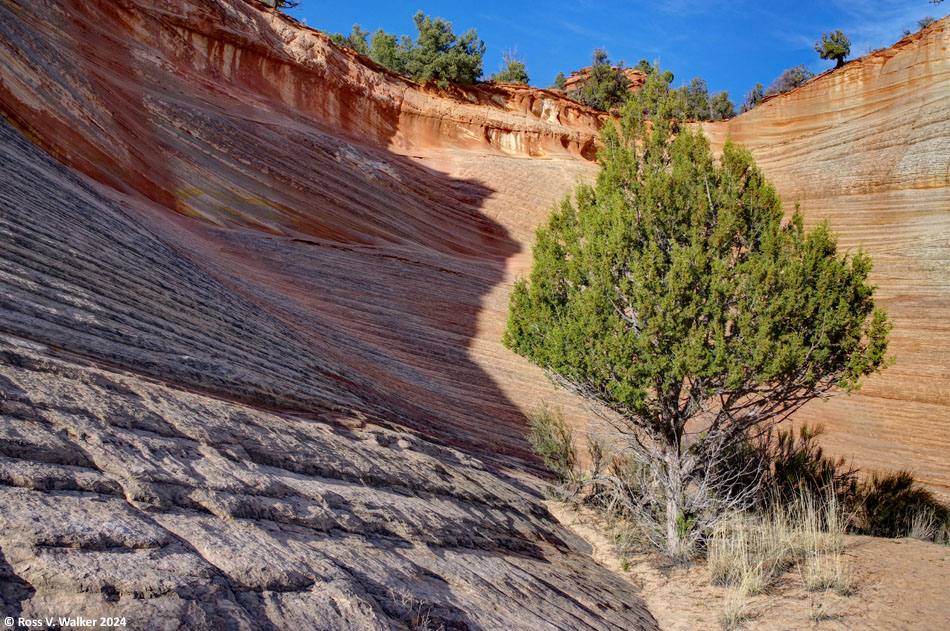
(894,503)
(356,40)
(436,54)
(512,69)
(606,87)
(752,98)
(440,55)
(835,45)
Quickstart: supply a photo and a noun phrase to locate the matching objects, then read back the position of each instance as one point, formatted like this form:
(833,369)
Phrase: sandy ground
(900,584)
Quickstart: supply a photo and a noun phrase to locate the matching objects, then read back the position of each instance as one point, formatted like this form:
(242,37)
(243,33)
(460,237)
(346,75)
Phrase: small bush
(553,440)
(735,611)
(790,79)
(512,69)
(798,466)
(752,98)
(895,505)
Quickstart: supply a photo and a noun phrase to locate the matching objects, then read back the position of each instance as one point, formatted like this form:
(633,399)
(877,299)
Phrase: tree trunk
(676,547)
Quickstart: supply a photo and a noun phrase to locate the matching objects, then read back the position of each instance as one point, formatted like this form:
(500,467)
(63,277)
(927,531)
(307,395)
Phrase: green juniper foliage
(387,51)
(835,45)
(721,106)
(671,292)
(606,87)
(355,40)
(560,82)
(752,98)
(440,55)
(436,54)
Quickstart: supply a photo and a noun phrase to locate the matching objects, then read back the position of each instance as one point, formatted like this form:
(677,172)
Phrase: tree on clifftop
(284,4)
(513,69)
(438,54)
(672,294)
(606,87)
(835,46)
(356,40)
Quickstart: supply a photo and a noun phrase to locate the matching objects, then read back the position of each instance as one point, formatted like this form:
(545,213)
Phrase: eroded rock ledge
(123,496)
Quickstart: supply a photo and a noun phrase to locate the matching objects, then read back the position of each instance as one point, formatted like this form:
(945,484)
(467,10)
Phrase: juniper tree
(387,51)
(606,87)
(441,55)
(673,297)
(721,106)
(284,4)
(752,98)
(835,45)
(356,40)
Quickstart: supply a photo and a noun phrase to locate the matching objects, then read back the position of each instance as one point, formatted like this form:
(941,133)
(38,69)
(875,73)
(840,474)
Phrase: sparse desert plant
(416,614)
(553,440)
(790,79)
(820,610)
(796,465)
(746,554)
(735,610)
(923,525)
(599,451)
(512,69)
(750,550)
(891,502)
(828,570)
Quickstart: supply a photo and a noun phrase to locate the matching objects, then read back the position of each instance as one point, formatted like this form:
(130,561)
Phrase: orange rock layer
(867,147)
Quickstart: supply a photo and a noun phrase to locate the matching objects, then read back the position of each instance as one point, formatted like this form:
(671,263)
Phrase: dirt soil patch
(900,585)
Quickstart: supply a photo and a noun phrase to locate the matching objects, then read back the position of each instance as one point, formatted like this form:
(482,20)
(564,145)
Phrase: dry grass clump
(736,609)
(552,439)
(749,551)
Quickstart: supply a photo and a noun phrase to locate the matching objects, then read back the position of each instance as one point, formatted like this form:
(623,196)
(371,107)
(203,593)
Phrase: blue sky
(731,44)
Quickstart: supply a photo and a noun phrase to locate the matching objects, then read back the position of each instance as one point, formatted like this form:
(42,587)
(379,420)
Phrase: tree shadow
(14,591)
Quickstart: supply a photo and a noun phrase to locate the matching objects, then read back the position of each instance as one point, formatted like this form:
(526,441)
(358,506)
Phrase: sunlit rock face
(867,147)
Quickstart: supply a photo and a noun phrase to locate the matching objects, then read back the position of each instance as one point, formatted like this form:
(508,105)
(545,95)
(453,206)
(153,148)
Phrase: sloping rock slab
(121,496)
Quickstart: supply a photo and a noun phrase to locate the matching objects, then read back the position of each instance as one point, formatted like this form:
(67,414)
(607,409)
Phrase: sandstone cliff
(867,147)
(251,316)
(224,307)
